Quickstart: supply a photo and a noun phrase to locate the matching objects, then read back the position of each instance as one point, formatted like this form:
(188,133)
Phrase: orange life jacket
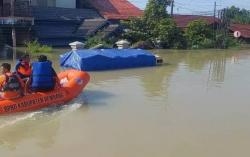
(24,69)
(11,87)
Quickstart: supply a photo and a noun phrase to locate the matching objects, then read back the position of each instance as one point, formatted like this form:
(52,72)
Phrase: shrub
(232,42)
(207,43)
(143,45)
(135,30)
(98,39)
(35,47)
(199,34)
(155,26)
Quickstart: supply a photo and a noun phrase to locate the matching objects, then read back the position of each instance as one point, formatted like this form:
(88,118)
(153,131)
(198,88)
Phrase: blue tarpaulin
(107,59)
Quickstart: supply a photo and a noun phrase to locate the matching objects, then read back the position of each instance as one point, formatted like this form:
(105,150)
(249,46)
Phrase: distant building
(55,3)
(16,16)
(58,22)
(244,30)
(116,9)
(182,21)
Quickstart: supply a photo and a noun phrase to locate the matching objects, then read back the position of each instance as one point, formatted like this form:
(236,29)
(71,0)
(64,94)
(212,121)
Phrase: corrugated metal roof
(244,29)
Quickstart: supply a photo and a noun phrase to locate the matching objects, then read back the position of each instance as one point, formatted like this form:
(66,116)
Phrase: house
(244,30)
(55,3)
(116,9)
(182,21)
(58,22)
(15,17)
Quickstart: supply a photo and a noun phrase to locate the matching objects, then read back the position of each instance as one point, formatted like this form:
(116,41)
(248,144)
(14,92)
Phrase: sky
(199,6)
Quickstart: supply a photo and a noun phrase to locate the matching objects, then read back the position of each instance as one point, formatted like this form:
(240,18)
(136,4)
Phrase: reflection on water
(217,70)
(160,111)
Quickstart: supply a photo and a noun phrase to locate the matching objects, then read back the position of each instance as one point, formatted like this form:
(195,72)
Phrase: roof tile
(116,9)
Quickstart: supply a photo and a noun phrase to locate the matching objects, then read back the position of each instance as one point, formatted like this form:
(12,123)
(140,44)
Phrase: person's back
(10,83)
(43,75)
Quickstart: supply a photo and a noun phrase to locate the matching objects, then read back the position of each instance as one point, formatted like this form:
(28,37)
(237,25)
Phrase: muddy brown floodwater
(197,105)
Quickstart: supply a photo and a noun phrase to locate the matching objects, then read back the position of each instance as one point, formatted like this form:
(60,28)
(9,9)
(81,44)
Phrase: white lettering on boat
(29,103)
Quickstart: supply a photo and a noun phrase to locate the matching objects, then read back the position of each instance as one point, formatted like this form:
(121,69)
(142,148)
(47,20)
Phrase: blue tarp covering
(107,59)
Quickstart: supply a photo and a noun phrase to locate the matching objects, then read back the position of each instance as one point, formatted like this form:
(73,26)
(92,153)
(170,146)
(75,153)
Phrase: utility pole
(172,8)
(13,32)
(214,25)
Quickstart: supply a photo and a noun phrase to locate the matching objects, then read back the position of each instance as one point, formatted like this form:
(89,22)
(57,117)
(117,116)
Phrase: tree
(156,10)
(199,34)
(155,26)
(135,30)
(237,15)
(168,35)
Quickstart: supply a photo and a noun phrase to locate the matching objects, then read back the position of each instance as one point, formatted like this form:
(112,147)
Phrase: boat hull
(76,81)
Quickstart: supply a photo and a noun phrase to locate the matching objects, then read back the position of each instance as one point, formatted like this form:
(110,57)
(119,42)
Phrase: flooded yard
(195,105)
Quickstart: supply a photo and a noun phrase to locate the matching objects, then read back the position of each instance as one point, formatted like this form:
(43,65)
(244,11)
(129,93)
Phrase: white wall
(66,3)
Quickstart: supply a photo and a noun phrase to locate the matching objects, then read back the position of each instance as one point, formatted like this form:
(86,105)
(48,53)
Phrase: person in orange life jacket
(43,77)
(11,84)
(23,68)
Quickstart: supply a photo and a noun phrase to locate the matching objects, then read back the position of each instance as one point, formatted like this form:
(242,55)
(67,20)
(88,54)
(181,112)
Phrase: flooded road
(197,105)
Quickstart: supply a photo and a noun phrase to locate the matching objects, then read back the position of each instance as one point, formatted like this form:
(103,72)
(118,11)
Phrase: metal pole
(214,25)
(12,8)
(14,43)
(172,7)
(13,32)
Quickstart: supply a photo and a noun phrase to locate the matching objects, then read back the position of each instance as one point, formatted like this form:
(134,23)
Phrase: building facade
(58,22)
(54,3)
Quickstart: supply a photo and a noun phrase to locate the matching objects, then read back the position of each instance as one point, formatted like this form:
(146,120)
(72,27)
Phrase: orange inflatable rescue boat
(72,84)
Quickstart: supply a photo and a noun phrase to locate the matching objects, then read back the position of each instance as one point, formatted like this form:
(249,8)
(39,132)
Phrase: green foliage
(143,45)
(96,40)
(232,42)
(238,15)
(207,43)
(135,30)
(224,41)
(180,41)
(156,10)
(155,26)
(199,34)
(35,47)
(168,35)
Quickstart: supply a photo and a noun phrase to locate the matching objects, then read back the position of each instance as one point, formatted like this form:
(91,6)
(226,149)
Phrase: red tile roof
(183,20)
(243,29)
(116,9)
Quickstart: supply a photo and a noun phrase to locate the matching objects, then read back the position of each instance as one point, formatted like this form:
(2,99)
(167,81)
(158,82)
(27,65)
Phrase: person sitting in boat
(43,77)
(23,67)
(11,84)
